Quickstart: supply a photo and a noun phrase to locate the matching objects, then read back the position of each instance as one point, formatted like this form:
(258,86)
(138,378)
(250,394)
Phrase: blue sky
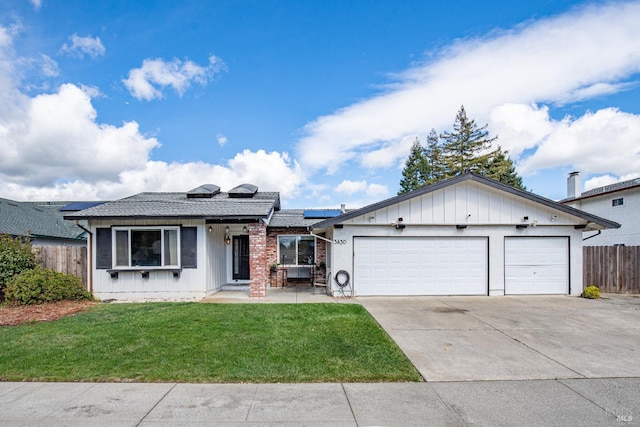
(319,100)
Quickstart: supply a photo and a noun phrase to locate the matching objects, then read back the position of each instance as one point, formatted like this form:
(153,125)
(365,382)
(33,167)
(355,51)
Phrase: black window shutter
(189,247)
(103,248)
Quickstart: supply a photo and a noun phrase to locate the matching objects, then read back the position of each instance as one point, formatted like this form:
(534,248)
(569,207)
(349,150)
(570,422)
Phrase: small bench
(302,273)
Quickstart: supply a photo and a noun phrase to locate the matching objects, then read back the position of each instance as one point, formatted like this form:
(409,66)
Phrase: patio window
(296,250)
(157,247)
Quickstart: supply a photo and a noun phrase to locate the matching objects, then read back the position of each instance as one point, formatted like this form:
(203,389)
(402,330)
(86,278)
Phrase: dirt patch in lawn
(12,316)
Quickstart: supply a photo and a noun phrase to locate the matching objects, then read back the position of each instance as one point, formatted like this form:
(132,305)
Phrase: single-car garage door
(420,266)
(536,265)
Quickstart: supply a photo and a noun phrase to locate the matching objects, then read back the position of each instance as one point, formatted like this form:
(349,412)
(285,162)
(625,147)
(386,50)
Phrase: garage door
(536,265)
(420,266)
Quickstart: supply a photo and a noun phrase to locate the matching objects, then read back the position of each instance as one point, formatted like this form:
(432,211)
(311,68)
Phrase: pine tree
(433,154)
(501,168)
(467,147)
(413,174)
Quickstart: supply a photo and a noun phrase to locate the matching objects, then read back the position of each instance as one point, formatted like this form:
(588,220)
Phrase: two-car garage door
(457,265)
(420,266)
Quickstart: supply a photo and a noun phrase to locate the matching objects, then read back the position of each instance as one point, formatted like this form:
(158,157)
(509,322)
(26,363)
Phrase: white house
(465,236)
(619,202)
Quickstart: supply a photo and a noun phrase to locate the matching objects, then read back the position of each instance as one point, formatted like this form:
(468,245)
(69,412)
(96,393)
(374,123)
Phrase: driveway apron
(512,338)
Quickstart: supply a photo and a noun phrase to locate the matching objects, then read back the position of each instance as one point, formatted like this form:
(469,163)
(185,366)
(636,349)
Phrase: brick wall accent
(258,261)
(277,279)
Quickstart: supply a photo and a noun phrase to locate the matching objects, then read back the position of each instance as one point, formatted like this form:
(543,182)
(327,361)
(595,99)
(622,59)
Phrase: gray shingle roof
(611,188)
(177,205)
(287,218)
(36,219)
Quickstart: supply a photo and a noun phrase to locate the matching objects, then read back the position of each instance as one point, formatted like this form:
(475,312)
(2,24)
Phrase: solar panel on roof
(321,213)
(79,206)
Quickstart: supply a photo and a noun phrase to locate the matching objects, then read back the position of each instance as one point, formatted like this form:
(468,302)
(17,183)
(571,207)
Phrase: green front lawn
(192,342)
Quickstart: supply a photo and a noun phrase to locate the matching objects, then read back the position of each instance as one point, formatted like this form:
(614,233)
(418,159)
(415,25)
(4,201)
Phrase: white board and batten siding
(193,283)
(444,259)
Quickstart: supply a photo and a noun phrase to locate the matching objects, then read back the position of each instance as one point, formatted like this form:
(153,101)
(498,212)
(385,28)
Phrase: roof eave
(461,178)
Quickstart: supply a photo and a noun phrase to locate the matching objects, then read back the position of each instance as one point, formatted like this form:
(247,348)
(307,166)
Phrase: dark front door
(240,257)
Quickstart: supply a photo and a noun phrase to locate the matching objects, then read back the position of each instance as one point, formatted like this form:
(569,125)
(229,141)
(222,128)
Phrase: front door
(241,257)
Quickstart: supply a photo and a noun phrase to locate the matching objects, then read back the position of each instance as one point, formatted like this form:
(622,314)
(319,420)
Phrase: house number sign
(340,242)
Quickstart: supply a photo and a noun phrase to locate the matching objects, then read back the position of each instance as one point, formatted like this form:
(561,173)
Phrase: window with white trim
(154,247)
(296,250)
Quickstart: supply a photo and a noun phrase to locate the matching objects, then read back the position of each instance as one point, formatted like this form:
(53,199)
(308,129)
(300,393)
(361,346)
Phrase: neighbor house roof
(607,189)
(218,207)
(37,219)
(593,219)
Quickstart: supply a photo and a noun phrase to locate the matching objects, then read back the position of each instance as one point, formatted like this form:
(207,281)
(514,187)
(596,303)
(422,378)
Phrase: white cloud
(37,4)
(48,66)
(81,46)
(146,83)
(595,143)
(222,140)
(56,135)
(377,190)
(269,171)
(586,52)
(53,148)
(350,187)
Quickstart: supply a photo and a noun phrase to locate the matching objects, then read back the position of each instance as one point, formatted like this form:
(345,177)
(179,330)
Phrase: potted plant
(273,267)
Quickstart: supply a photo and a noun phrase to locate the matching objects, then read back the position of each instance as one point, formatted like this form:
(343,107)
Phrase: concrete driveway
(513,338)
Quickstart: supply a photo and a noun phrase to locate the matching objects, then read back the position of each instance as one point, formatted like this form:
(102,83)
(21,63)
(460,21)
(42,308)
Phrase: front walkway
(289,295)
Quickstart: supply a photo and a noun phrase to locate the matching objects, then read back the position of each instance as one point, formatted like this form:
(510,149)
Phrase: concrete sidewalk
(584,402)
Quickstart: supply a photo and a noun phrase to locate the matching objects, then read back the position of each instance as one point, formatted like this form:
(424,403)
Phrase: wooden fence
(613,269)
(65,259)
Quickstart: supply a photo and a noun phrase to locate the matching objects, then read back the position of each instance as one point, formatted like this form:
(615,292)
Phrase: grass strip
(196,343)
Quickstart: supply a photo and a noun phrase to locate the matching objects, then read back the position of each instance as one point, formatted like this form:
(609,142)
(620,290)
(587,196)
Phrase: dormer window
(617,202)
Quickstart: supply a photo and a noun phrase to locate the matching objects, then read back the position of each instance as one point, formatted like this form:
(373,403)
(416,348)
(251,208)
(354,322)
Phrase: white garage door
(536,265)
(420,266)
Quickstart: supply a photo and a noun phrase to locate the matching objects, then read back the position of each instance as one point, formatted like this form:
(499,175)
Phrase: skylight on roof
(205,191)
(243,190)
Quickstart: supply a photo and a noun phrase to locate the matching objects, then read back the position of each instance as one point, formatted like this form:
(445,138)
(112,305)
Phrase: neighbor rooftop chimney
(573,185)
(343,208)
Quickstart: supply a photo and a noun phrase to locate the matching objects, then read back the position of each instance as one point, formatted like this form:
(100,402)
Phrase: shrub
(39,285)
(591,292)
(16,256)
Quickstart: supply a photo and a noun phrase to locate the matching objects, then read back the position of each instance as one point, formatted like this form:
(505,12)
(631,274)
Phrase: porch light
(245,229)
(227,236)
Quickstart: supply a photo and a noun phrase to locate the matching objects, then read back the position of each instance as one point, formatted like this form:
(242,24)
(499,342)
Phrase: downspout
(90,256)
(593,235)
